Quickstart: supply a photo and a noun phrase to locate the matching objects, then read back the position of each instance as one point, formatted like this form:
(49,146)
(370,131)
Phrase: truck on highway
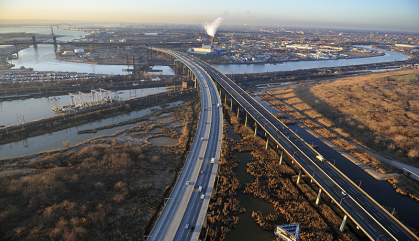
(199,188)
(218,105)
(212,160)
(320,158)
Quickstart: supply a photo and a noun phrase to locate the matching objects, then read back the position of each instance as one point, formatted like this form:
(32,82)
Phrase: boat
(13,56)
(59,110)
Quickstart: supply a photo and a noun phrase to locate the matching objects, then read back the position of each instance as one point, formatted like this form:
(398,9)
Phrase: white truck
(199,188)
(212,160)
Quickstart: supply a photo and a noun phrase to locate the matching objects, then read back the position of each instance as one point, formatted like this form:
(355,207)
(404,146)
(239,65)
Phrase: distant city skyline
(384,15)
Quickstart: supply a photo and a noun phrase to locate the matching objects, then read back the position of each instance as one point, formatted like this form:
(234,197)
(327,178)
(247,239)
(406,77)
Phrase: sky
(400,15)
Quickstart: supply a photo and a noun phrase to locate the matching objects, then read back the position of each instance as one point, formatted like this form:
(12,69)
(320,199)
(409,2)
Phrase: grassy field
(380,111)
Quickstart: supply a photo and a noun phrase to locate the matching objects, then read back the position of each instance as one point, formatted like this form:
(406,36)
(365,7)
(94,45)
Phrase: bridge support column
(245,120)
(280,159)
(225,98)
(343,225)
(220,92)
(238,112)
(318,197)
(204,225)
(267,143)
(299,177)
(231,104)
(256,129)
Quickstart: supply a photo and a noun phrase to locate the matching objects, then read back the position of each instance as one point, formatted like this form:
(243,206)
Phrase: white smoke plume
(212,27)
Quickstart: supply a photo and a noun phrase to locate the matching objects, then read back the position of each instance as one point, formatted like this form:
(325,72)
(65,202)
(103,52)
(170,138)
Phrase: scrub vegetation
(379,111)
(104,189)
(274,183)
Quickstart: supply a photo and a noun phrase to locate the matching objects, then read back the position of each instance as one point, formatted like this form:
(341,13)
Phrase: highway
(365,212)
(185,207)
(372,218)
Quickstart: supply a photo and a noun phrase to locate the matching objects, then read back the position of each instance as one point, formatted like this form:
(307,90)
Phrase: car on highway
(202,196)
(187,182)
(344,193)
(187,226)
(320,158)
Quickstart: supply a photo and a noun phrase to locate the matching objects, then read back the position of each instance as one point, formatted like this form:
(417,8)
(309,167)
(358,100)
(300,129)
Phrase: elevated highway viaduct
(376,222)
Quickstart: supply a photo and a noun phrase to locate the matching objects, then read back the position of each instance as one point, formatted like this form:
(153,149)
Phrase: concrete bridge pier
(299,177)
(343,225)
(256,128)
(238,111)
(267,143)
(204,225)
(231,104)
(245,120)
(318,197)
(280,159)
(225,98)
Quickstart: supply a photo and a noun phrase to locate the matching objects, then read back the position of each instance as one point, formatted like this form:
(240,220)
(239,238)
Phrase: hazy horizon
(400,16)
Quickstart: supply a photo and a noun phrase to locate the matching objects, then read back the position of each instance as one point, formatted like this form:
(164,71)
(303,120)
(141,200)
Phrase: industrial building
(205,50)
(407,46)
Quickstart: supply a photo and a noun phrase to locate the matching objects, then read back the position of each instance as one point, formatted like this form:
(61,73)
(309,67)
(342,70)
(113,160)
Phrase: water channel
(295,65)
(407,209)
(54,140)
(38,108)
(247,228)
(43,59)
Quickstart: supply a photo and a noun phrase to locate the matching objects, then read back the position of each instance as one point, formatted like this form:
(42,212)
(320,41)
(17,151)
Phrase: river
(43,59)
(38,108)
(295,65)
(54,140)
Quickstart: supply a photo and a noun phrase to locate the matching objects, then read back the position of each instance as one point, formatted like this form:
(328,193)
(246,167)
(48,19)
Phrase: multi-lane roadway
(185,210)
(374,220)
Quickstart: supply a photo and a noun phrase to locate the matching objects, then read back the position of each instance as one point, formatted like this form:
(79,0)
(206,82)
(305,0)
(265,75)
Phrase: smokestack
(211,28)
(212,41)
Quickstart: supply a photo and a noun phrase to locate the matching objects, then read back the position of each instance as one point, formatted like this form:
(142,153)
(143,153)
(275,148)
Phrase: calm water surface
(247,228)
(38,108)
(54,140)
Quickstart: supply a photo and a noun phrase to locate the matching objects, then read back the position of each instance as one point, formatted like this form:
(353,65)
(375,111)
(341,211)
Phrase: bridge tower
(34,42)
